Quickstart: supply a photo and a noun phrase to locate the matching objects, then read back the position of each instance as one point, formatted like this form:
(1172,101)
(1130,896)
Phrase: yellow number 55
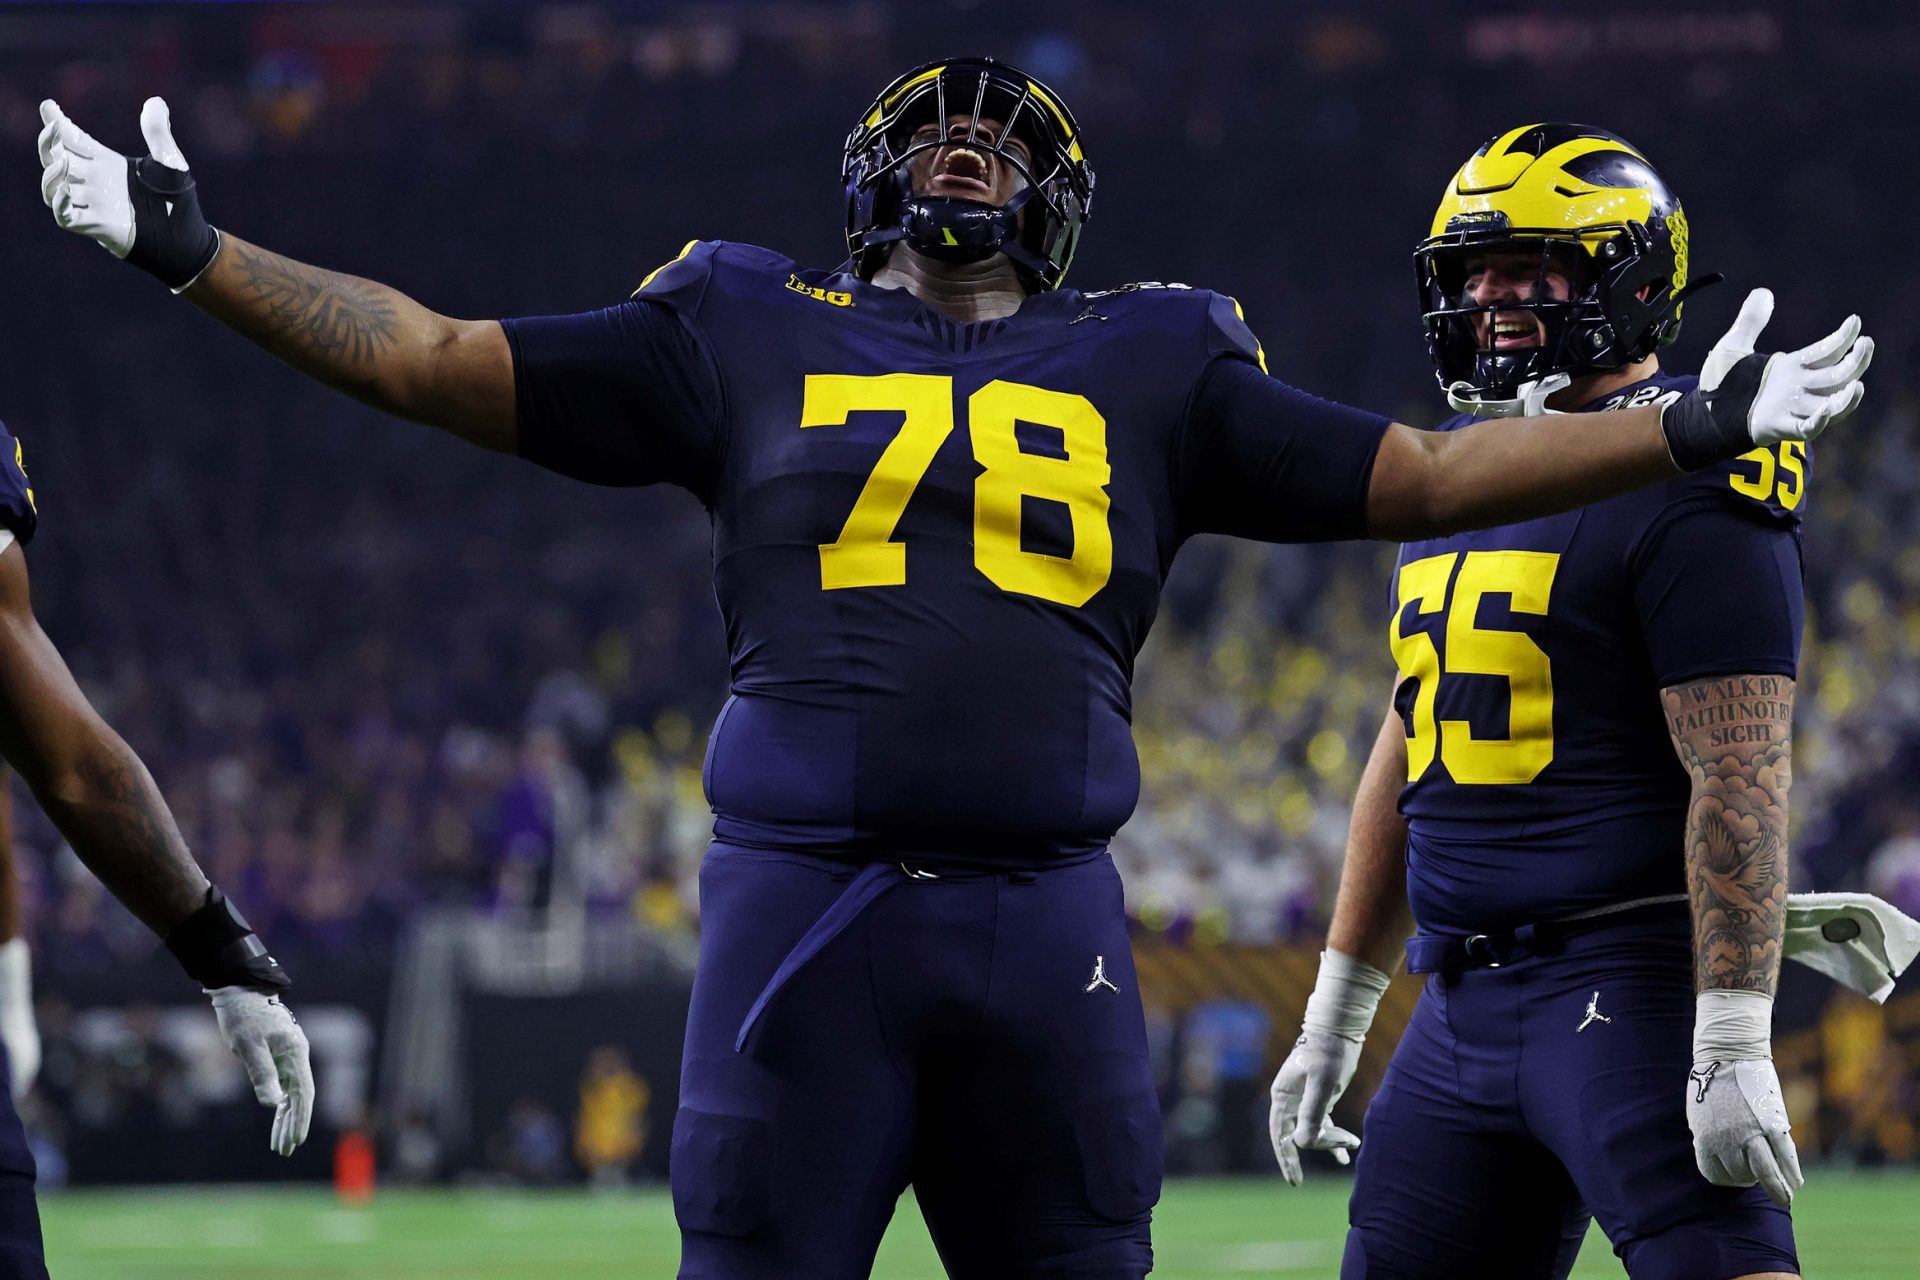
(1526,577)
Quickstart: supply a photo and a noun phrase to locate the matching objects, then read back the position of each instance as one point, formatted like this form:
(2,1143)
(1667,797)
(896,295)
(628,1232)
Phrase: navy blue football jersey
(18,515)
(937,546)
(1542,780)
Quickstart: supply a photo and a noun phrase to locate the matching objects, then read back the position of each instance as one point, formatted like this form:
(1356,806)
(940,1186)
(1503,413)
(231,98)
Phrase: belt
(875,879)
(1454,953)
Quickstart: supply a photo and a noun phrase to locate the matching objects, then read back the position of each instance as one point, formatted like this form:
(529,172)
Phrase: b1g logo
(837,297)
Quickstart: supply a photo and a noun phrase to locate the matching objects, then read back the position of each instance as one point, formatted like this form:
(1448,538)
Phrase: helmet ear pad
(1636,289)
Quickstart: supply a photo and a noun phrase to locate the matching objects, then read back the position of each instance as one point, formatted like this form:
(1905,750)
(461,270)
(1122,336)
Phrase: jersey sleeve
(628,395)
(1261,459)
(1719,592)
(18,516)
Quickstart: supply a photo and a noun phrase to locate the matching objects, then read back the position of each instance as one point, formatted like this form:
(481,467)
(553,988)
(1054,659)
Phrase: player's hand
(1740,1131)
(270,1044)
(145,210)
(1317,1072)
(1747,399)
(1311,1080)
(18,1030)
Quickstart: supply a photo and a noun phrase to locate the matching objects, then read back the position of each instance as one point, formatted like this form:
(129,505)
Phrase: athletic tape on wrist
(1732,1026)
(1345,996)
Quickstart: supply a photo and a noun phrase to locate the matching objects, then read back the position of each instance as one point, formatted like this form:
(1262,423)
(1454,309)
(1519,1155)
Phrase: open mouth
(1510,329)
(962,171)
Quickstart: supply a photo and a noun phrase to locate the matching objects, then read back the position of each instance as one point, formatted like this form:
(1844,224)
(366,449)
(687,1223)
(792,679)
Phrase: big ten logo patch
(834,296)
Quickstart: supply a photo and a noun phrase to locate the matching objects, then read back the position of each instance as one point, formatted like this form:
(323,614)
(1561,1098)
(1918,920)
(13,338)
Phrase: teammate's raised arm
(1494,473)
(374,343)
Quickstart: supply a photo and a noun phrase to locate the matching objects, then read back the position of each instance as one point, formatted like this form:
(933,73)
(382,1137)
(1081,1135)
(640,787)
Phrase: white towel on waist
(1854,938)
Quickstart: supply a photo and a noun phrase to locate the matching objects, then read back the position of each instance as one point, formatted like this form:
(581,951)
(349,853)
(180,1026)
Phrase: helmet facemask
(1037,228)
(1482,372)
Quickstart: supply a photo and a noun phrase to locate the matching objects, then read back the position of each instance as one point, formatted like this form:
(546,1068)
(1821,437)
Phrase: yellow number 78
(866,554)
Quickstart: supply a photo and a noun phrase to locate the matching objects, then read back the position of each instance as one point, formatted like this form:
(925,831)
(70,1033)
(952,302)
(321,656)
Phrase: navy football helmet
(1038,228)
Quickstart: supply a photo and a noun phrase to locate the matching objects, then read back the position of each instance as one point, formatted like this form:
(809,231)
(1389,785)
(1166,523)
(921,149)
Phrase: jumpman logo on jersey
(1593,1014)
(1100,978)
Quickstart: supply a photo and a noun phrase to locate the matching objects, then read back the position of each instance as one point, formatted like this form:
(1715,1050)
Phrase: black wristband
(1705,427)
(171,238)
(218,948)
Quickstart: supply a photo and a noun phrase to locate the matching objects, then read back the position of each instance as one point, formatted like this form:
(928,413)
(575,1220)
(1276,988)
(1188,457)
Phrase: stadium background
(435,718)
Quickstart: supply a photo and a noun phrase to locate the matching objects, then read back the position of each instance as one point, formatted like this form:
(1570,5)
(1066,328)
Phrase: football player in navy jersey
(102,800)
(1523,809)
(945,491)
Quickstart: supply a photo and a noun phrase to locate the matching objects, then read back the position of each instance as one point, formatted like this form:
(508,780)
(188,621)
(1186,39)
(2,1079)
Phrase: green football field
(1858,1226)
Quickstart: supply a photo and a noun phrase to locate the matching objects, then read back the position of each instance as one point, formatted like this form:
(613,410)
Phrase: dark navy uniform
(938,548)
(22,1256)
(1544,785)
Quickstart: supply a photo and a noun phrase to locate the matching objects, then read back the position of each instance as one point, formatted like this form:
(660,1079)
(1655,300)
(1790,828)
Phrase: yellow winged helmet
(1584,199)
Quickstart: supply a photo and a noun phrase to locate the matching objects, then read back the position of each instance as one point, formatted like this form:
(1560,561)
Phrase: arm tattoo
(327,318)
(1733,735)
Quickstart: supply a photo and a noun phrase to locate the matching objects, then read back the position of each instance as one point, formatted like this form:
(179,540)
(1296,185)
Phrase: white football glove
(1800,392)
(1321,1066)
(18,1030)
(1734,1108)
(145,210)
(272,1047)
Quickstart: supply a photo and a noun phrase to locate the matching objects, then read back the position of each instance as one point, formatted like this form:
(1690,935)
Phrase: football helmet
(1057,189)
(1588,203)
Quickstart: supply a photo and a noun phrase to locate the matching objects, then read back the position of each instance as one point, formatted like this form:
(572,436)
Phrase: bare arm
(1371,919)
(1733,736)
(374,343)
(90,783)
(1429,483)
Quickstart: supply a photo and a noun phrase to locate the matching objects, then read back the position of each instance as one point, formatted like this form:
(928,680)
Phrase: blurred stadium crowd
(372,672)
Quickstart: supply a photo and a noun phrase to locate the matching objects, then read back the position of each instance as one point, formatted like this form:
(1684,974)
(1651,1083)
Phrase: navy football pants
(22,1256)
(950,1034)
(1503,1122)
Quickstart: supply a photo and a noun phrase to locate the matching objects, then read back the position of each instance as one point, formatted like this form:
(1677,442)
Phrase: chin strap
(1529,401)
(957,230)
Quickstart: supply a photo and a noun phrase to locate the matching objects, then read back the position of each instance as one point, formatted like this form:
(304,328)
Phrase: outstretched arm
(1261,459)
(374,343)
(1426,485)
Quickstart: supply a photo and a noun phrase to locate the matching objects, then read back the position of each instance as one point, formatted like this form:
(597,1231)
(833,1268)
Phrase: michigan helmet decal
(1589,204)
(1038,228)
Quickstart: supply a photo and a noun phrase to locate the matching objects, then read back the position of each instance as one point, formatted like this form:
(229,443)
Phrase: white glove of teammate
(18,1030)
(1321,1065)
(270,1044)
(1734,1108)
(1800,391)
